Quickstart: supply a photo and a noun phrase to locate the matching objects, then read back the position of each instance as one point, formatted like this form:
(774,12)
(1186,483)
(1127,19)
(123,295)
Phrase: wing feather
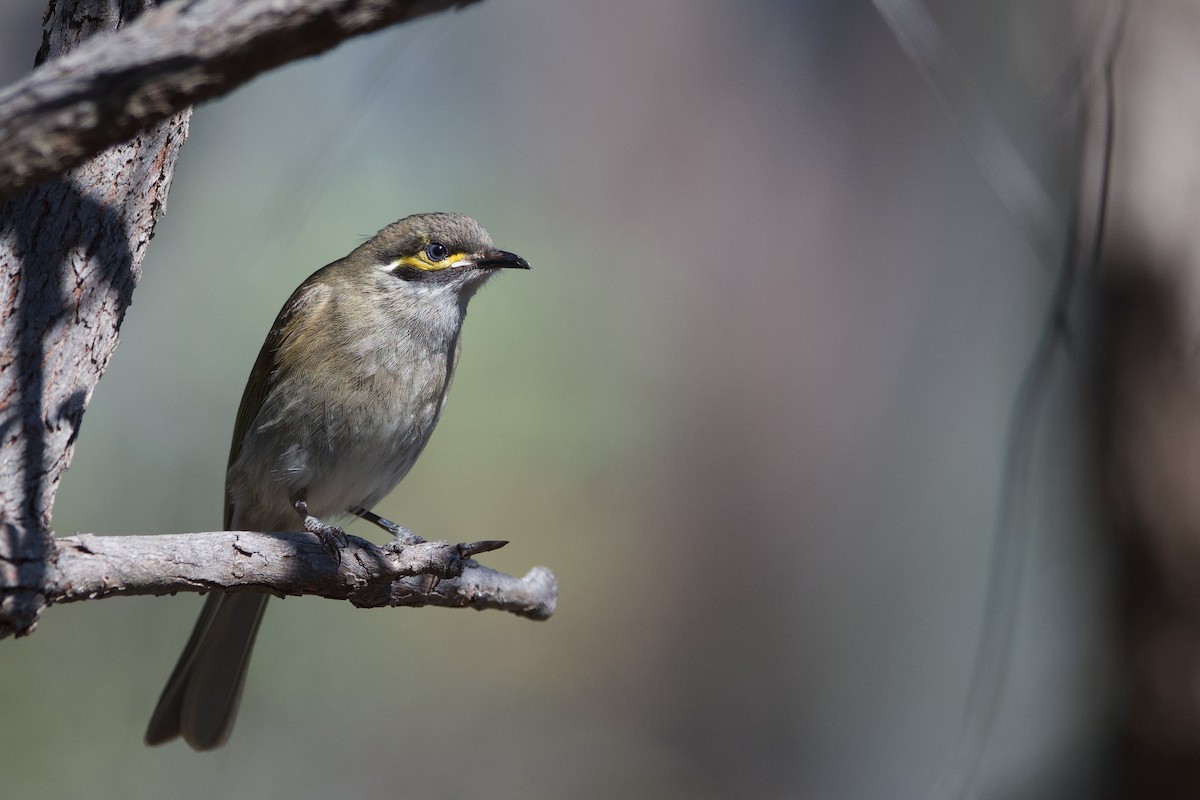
(309,298)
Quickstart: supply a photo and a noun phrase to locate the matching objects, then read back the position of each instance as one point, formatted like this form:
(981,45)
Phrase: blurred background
(751,406)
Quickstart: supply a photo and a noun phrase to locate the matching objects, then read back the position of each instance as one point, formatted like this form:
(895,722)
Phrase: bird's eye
(436,251)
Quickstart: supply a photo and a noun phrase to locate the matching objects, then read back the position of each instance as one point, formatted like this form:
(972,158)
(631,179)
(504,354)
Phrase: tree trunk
(71,253)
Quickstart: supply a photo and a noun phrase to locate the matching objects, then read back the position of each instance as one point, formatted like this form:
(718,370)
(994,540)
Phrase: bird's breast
(370,437)
(348,432)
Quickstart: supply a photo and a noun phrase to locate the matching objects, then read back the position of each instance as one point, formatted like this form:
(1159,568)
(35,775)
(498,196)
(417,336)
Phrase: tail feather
(201,697)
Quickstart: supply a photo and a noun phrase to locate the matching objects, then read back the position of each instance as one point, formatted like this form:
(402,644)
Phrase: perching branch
(400,573)
(113,85)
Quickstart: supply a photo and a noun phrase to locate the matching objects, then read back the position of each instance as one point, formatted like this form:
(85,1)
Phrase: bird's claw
(333,537)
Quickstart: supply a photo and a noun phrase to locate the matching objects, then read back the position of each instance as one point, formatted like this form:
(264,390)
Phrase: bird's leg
(333,537)
(403,535)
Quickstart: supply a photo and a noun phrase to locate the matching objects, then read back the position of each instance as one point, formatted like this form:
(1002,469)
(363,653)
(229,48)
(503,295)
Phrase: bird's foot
(333,537)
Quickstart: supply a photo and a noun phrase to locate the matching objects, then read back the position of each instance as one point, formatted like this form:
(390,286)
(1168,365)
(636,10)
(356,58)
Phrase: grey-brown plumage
(342,399)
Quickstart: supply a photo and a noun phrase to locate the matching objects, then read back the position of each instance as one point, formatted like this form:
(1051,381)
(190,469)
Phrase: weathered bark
(71,252)
(118,83)
(401,573)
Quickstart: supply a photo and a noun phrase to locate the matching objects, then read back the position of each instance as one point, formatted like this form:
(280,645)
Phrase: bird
(340,402)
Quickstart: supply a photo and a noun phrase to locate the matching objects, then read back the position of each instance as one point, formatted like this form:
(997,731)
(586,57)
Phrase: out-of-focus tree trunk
(1149,392)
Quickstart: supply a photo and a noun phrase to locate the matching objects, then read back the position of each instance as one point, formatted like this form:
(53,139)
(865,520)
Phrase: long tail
(200,701)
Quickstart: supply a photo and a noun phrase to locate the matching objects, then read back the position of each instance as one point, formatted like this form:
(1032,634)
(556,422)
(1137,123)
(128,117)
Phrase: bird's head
(432,254)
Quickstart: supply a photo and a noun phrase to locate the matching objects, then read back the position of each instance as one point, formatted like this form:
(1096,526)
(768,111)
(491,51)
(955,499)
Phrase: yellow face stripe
(421,261)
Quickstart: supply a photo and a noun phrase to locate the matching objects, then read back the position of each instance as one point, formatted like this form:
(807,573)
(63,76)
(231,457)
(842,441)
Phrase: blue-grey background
(750,406)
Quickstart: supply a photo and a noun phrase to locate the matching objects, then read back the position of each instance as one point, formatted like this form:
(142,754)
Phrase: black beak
(500,259)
